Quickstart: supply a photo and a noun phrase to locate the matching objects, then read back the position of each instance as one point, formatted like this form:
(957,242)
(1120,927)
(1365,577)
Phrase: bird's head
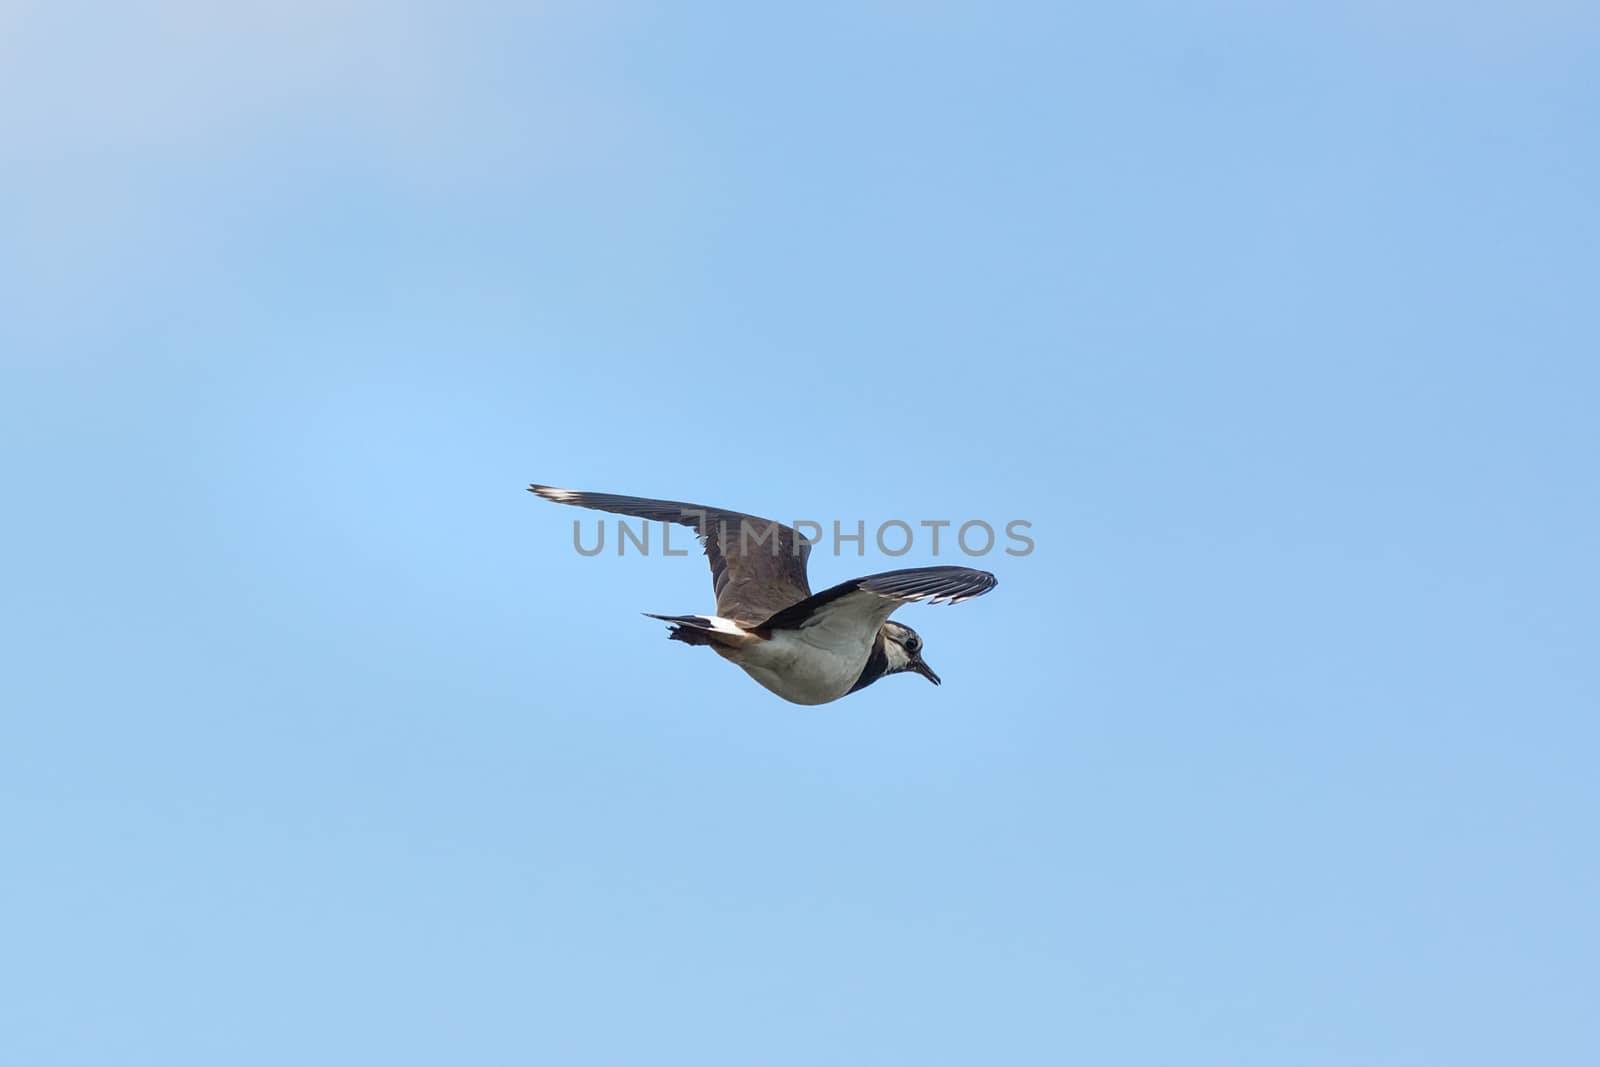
(903,646)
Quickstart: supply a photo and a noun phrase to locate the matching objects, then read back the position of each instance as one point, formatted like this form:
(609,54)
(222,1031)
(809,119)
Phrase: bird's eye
(912,644)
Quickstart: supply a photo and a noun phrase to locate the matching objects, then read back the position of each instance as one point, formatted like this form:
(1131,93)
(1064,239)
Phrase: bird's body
(799,669)
(805,648)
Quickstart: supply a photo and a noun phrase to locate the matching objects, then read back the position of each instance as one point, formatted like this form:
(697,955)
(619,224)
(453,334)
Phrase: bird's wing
(867,602)
(758,567)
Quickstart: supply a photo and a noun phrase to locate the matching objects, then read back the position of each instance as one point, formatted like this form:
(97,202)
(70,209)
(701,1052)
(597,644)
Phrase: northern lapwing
(807,648)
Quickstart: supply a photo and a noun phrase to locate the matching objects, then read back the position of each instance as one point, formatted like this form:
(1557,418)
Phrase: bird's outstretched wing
(758,567)
(864,603)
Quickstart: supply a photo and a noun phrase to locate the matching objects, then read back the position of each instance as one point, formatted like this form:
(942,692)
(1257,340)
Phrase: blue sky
(321,745)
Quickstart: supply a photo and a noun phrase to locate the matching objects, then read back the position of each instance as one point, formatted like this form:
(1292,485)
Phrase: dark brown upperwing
(758,567)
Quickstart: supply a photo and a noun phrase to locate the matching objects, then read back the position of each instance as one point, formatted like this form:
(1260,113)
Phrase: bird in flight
(807,648)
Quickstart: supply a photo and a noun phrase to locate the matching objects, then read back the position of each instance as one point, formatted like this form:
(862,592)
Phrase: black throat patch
(877,665)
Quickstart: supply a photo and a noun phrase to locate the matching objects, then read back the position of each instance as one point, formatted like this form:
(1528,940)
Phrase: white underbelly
(802,672)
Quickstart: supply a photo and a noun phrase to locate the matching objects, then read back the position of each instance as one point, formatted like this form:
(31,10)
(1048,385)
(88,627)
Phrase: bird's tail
(705,630)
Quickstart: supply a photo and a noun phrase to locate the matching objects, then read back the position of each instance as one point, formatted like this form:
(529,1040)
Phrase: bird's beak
(923,669)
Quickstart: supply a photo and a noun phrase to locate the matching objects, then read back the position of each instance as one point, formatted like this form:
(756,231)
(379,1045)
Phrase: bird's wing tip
(550,492)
